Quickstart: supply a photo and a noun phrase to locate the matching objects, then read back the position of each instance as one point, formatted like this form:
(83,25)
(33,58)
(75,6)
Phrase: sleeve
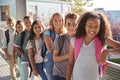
(47,33)
(1,37)
(29,45)
(4,41)
(72,41)
(56,44)
(18,40)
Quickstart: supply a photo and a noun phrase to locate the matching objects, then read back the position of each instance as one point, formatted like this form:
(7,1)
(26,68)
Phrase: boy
(20,44)
(8,48)
(61,47)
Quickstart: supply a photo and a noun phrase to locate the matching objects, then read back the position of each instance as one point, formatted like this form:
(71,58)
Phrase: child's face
(19,28)
(71,26)
(92,27)
(11,24)
(27,23)
(37,29)
(57,21)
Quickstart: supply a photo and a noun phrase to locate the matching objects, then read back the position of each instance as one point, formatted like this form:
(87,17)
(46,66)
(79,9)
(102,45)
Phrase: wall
(12,6)
(20,8)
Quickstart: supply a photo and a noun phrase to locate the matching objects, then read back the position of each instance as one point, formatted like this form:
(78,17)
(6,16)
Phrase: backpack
(61,40)
(7,36)
(44,48)
(98,51)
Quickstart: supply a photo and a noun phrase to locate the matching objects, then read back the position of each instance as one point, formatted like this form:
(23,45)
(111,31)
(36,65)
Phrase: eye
(68,24)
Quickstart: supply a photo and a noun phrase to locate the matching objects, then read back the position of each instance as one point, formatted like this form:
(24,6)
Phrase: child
(34,49)
(8,48)
(19,29)
(60,52)
(91,37)
(20,44)
(56,28)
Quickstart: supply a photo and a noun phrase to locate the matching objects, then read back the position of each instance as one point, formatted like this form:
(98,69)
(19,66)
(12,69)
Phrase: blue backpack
(44,48)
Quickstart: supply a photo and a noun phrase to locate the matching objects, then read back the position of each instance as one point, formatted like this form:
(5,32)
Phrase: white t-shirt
(85,67)
(11,42)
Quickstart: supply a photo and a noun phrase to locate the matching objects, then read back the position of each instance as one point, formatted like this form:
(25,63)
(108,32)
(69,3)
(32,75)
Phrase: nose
(58,22)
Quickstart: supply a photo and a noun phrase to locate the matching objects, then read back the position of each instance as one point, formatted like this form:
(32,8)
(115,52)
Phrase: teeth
(91,32)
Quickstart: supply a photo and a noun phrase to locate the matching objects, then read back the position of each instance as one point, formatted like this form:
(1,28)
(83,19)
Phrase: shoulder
(72,41)
(47,32)
(23,33)
(19,37)
(7,32)
(29,44)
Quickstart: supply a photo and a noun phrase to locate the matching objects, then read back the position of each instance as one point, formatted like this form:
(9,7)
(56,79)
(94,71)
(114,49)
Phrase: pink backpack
(98,51)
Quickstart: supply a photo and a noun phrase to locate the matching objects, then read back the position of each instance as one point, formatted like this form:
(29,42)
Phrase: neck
(88,40)
(70,35)
(11,28)
(57,31)
(37,37)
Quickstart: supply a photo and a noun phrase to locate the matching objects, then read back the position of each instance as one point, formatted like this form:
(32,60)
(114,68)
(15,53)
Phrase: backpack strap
(52,35)
(77,46)
(34,46)
(43,47)
(61,40)
(98,48)
(7,36)
(98,51)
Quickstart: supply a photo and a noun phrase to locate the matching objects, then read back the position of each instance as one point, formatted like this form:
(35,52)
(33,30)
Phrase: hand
(7,56)
(35,72)
(22,54)
(104,56)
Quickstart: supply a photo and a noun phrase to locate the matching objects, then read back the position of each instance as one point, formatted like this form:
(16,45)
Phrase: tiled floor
(4,69)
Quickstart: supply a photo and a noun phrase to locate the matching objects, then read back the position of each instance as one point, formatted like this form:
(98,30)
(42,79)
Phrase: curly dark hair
(32,34)
(105,30)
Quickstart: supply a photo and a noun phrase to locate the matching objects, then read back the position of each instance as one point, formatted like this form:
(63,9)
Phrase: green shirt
(18,44)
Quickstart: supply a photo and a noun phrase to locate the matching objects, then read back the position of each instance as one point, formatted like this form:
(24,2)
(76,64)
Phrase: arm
(70,63)
(58,58)
(19,51)
(49,43)
(115,49)
(113,43)
(57,49)
(32,62)
(7,56)
(4,47)
(17,45)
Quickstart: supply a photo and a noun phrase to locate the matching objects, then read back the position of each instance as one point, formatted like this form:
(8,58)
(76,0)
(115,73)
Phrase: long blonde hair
(62,28)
